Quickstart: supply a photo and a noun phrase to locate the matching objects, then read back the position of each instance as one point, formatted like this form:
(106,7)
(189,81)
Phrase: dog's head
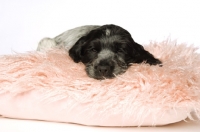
(108,51)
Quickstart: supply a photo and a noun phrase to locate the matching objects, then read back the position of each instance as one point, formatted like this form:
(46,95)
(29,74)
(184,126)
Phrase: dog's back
(66,39)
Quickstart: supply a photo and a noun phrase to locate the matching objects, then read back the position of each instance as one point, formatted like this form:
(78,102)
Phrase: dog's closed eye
(93,50)
(121,51)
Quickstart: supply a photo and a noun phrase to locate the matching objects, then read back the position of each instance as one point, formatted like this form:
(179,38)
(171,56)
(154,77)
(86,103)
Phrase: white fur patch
(107,32)
(46,44)
(105,54)
(66,39)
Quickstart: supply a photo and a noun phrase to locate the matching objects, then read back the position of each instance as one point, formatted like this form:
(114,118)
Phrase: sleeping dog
(106,51)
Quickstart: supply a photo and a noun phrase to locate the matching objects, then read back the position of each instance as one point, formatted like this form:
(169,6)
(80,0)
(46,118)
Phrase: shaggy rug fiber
(50,86)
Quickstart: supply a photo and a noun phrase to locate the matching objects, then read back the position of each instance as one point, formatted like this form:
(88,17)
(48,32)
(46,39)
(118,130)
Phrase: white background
(24,22)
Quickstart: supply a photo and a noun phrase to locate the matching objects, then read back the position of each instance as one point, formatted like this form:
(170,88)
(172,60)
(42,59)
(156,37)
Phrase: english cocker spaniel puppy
(106,51)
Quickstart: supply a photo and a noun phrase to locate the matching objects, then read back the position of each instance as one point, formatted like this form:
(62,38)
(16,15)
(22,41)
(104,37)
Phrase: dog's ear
(142,55)
(76,51)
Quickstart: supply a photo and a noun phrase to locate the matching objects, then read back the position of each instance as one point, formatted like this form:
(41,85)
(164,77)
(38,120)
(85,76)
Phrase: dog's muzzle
(104,68)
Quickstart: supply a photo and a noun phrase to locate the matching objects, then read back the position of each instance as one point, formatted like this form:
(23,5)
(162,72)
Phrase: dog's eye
(120,51)
(93,50)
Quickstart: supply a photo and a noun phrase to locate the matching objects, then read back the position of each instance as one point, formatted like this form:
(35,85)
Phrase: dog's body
(66,39)
(106,50)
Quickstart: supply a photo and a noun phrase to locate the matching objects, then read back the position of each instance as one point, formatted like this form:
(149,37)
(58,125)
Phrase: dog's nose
(103,70)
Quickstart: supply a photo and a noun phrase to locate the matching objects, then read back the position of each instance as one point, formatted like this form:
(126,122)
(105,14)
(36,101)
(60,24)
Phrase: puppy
(106,51)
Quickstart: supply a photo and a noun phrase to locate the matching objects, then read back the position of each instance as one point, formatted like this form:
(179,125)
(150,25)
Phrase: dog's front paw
(154,62)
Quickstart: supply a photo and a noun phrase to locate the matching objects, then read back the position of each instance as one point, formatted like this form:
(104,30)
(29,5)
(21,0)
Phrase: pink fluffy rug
(50,86)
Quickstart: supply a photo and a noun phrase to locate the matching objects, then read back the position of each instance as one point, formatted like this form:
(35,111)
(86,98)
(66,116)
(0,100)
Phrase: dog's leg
(46,44)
